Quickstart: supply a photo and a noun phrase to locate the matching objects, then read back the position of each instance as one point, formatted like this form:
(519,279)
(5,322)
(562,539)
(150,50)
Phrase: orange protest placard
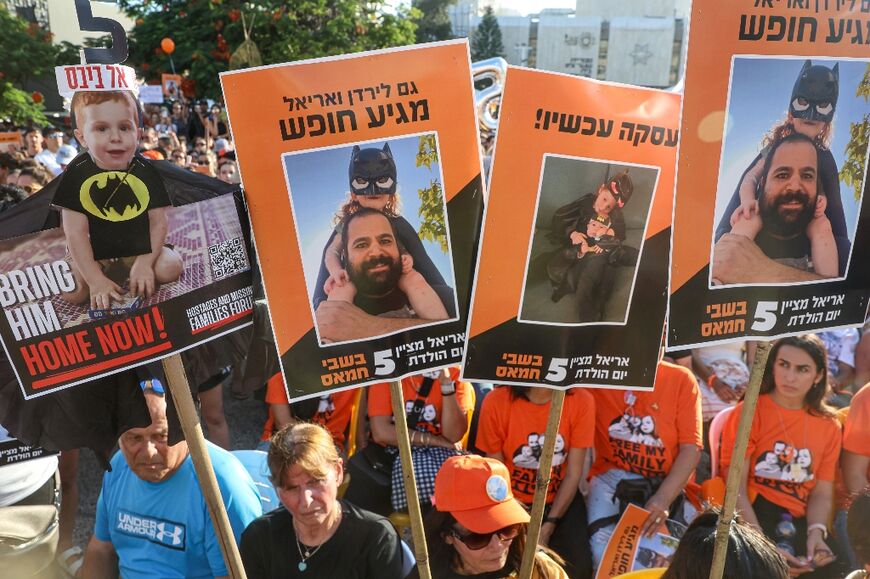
(363,180)
(574,263)
(772,91)
(10,140)
(629,551)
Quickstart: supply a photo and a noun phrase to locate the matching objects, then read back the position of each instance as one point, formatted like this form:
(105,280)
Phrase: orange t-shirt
(641,431)
(333,411)
(515,427)
(788,452)
(379,400)
(856,438)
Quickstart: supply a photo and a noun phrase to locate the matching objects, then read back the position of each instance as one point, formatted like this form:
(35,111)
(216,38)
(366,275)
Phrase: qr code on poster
(228,258)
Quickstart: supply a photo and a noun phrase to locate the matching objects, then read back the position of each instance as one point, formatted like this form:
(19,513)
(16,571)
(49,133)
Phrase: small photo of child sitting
(588,233)
(113,207)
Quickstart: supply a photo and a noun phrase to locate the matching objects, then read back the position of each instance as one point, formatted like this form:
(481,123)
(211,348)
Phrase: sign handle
(180,390)
(421,552)
(542,484)
(738,460)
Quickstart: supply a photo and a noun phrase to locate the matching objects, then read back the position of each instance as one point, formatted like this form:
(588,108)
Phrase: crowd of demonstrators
(646,447)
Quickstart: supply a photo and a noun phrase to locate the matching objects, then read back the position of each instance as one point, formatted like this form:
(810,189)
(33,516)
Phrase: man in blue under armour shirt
(152,520)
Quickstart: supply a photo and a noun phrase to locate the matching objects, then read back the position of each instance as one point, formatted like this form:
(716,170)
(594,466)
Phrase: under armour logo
(175,534)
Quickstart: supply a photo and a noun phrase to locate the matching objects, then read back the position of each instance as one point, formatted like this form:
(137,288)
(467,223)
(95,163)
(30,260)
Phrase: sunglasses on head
(477,541)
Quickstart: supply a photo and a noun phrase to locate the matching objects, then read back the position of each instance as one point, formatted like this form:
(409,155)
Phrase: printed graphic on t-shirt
(114,196)
(786,469)
(529,455)
(159,531)
(635,441)
(526,461)
(785,463)
(641,429)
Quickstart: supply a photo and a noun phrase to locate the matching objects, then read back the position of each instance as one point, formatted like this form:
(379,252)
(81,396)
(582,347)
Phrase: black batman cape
(93,415)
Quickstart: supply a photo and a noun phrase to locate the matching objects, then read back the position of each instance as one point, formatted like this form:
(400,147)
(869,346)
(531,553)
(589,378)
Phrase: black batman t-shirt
(115,202)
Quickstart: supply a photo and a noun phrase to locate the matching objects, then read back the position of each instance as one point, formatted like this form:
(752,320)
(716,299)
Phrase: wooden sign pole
(421,552)
(180,390)
(738,460)
(542,483)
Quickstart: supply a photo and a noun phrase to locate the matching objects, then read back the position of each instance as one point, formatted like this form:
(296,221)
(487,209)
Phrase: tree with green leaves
(27,53)
(852,171)
(486,42)
(432,219)
(434,22)
(207,32)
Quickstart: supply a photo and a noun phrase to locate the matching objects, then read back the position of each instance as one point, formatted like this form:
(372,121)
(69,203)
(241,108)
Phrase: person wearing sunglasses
(477,528)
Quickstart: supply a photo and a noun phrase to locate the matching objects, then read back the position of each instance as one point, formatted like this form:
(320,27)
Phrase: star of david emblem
(641,53)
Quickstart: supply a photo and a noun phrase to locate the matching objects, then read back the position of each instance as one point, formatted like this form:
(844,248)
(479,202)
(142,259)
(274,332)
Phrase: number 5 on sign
(384,364)
(557,370)
(765,316)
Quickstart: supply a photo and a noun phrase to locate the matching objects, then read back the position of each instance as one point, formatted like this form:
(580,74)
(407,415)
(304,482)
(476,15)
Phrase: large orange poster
(572,280)
(362,176)
(770,228)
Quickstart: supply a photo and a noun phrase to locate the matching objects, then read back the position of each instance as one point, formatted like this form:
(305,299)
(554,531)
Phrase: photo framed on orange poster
(363,177)
(574,260)
(770,227)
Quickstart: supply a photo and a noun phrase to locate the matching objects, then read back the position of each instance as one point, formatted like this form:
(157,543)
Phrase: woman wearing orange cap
(477,528)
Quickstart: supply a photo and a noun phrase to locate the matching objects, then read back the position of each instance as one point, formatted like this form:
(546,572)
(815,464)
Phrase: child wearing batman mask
(811,112)
(372,177)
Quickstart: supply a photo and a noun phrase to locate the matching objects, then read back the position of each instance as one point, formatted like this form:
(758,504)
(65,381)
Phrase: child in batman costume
(811,112)
(372,177)
(585,266)
(113,206)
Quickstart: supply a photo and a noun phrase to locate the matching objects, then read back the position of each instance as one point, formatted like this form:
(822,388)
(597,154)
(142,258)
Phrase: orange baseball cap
(477,492)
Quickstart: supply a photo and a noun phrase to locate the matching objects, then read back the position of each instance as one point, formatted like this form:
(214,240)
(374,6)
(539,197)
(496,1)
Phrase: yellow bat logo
(114,196)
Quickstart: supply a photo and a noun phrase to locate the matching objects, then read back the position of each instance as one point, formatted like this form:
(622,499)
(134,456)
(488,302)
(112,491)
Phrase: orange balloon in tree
(167,45)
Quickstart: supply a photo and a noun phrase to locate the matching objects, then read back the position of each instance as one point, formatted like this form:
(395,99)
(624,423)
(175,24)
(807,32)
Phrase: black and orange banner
(363,182)
(572,280)
(55,338)
(771,235)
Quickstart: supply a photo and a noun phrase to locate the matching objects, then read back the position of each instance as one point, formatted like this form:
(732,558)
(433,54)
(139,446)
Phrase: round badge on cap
(497,488)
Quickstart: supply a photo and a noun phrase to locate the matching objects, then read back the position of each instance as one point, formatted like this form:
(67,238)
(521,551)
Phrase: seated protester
(858,527)
(513,421)
(152,520)
(647,445)
(793,448)
(437,406)
(316,535)
(750,554)
(332,411)
(855,462)
(478,529)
